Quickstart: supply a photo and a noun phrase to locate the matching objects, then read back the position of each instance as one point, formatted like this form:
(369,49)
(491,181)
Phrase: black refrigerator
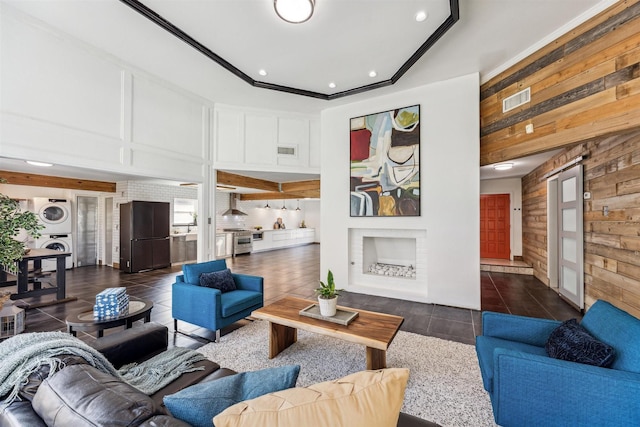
(144,236)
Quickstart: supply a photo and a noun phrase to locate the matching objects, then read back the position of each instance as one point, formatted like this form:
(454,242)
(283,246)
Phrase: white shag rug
(444,386)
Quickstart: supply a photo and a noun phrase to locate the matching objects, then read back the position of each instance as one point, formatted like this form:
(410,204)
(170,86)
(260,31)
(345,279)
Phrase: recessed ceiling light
(41,164)
(421,16)
(372,73)
(332,85)
(262,72)
(503,166)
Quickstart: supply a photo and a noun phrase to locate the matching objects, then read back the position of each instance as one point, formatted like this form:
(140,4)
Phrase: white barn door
(570,236)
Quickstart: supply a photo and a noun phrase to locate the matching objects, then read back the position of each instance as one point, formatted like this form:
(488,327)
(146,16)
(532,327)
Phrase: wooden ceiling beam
(18,178)
(226,178)
(297,186)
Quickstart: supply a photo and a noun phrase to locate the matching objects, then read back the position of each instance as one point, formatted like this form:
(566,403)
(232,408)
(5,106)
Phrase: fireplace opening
(389,256)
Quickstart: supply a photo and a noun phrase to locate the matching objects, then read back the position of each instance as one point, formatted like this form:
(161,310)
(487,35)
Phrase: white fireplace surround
(390,246)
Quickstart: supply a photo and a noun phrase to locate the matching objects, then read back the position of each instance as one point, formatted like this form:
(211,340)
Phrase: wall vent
(516,100)
(286,151)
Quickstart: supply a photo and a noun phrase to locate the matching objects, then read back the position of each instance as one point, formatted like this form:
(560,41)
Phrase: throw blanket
(24,354)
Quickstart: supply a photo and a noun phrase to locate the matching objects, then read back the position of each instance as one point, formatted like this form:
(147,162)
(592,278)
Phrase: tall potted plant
(12,222)
(328,296)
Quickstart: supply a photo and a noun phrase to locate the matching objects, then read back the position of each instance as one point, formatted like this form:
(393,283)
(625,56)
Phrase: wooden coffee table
(84,321)
(371,329)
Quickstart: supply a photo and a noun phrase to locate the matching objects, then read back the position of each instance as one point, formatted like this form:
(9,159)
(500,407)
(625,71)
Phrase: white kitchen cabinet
(276,239)
(265,244)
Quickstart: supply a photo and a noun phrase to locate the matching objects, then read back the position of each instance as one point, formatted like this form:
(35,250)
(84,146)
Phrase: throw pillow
(193,271)
(198,404)
(363,399)
(570,341)
(222,280)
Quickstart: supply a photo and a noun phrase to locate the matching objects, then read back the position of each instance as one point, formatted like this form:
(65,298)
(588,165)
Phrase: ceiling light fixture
(263,72)
(267,205)
(332,85)
(372,73)
(503,166)
(284,208)
(421,16)
(298,208)
(294,11)
(41,164)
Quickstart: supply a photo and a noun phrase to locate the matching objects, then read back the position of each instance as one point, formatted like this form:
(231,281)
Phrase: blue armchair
(208,307)
(529,388)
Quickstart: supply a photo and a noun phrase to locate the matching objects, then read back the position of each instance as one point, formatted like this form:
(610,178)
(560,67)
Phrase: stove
(242,240)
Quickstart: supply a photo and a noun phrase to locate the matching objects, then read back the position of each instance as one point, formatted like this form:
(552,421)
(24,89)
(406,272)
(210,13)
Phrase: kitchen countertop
(286,229)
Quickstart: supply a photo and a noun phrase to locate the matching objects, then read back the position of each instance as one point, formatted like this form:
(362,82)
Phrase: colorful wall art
(385,163)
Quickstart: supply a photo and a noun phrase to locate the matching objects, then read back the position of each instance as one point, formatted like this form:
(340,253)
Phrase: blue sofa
(208,307)
(529,388)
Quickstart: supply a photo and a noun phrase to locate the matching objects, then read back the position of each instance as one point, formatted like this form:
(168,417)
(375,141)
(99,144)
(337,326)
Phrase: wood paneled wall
(585,84)
(611,242)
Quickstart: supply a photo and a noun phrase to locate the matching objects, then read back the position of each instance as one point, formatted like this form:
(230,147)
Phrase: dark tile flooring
(295,271)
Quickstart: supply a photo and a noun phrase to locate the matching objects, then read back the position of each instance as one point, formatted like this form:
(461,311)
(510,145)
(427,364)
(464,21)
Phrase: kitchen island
(278,239)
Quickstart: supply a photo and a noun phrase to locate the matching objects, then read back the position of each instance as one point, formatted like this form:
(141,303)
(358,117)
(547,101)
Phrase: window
(185,211)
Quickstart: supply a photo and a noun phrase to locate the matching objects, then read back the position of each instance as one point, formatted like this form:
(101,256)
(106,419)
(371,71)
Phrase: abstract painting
(385,163)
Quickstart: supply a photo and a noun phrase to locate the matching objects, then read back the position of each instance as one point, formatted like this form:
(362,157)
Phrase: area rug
(444,386)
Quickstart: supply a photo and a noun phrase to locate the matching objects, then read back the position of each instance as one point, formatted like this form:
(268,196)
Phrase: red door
(494,226)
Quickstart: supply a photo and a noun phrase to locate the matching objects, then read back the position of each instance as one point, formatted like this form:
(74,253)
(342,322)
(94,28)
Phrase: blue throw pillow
(570,341)
(193,271)
(198,404)
(222,280)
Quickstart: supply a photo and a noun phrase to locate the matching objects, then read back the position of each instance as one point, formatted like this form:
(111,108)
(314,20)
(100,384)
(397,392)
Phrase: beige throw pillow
(363,399)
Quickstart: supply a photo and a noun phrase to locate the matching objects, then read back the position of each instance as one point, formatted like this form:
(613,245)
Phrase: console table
(37,255)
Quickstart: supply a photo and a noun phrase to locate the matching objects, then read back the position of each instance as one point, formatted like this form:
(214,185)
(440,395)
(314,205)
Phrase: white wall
(512,187)
(68,103)
(450,188)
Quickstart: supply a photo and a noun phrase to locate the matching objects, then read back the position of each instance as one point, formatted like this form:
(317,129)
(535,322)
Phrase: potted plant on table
(12,222)
(328,296)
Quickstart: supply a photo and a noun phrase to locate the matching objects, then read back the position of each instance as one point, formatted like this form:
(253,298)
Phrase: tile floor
(295,272)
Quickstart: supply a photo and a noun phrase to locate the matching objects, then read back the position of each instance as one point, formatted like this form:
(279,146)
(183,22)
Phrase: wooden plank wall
(611,242)
(585,84)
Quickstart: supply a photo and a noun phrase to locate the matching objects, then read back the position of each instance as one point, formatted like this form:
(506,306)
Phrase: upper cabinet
(265,140)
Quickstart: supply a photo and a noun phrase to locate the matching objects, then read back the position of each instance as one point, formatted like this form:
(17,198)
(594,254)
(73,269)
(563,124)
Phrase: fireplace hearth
(393,270)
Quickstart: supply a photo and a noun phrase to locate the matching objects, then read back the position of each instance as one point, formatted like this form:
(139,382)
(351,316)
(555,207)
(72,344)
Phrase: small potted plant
(328,296)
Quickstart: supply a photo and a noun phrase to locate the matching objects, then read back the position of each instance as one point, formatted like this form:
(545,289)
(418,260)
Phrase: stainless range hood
(232,207)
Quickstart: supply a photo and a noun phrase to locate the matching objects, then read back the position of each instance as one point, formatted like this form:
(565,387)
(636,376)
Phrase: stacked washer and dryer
(55,215)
